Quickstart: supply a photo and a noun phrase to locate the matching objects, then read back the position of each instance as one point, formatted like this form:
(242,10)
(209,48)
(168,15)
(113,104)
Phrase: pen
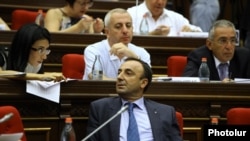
(166,79)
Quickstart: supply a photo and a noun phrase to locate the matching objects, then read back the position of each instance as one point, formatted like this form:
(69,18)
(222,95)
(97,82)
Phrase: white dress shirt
(169,18)
(142,119)
(110,63)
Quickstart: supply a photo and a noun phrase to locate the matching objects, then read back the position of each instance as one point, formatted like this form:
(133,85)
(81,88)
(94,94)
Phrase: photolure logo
(226,132)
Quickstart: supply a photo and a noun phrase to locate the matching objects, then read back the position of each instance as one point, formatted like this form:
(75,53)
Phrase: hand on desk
(56,77)
(186,29)
(161,30)
(104,77)
(227,80)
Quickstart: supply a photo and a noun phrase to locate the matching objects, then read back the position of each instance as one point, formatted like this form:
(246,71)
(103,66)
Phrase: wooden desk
(159,47)
(196,101)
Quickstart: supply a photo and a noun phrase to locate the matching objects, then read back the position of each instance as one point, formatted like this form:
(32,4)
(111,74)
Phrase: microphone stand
(110,119)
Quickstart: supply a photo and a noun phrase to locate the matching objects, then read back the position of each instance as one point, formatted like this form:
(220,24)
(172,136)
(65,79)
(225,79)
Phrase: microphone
(6,117)
(110,119)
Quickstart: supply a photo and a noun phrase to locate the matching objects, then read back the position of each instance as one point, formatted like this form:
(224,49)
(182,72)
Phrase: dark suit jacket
(162,118)
(239,65)
(3,57)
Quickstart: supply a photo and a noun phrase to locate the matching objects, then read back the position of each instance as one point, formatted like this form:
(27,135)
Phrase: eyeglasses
(84,3)
(41,51)
(225,41)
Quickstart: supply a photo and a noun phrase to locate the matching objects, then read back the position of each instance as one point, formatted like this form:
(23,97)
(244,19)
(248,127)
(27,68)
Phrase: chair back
(180,121)
(238,116)
(12,125)
(73,66)
(176,65)
(21,17)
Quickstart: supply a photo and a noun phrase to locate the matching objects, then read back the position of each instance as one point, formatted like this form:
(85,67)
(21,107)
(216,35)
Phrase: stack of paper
(11,137)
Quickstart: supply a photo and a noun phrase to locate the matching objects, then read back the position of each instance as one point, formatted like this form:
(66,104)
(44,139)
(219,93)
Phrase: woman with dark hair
(29,48)
(72,18)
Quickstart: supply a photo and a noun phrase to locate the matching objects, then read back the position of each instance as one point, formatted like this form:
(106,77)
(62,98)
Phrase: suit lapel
(115,123)
(233,69)
(213,70)
(154,119)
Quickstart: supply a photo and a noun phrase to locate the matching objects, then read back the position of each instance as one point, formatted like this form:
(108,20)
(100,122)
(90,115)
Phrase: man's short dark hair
(148,73)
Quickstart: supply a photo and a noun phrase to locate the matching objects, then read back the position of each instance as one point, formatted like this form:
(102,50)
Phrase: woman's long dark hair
(21,45)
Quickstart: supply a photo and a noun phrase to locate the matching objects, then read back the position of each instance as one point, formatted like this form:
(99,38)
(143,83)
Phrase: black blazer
(239,65)
(162,118)
(3,57)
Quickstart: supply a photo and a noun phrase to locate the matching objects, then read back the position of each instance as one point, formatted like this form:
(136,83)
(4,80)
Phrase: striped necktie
(132,132)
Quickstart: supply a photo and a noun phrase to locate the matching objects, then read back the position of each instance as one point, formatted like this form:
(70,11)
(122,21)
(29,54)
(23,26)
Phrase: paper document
(11,137)
(2,26)
(47,90)
(194,34)
(177,79)
(241,80)
(186,79)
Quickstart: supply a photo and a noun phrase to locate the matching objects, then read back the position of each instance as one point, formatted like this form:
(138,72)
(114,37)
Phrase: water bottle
(97,71)
(39,18)
(214,121)
(144,29)
(68,133)
(204,72)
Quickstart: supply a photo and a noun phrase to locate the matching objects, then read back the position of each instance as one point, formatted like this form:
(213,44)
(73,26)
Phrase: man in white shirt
(116,48)
(161,21)
(204,13)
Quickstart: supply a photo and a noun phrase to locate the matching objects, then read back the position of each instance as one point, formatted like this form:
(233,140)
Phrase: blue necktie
(223,70)
(132,133)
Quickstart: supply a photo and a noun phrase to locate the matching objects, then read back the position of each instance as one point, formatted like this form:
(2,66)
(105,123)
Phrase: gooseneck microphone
(6,117)
(110,119)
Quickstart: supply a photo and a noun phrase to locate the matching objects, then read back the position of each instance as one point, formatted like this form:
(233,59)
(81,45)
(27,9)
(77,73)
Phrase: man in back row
(224,59)
(116,48)
(161,21)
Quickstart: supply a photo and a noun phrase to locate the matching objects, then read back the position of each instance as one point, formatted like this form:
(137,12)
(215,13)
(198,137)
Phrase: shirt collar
(107,46)
(145,10)
(138,102)
(217,62)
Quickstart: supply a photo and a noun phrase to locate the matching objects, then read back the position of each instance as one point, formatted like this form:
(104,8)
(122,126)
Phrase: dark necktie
(223,70)
(132,133)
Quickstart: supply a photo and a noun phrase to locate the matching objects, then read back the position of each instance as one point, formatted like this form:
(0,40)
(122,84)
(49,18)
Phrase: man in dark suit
(3,58)
(220,48)
(155,121)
